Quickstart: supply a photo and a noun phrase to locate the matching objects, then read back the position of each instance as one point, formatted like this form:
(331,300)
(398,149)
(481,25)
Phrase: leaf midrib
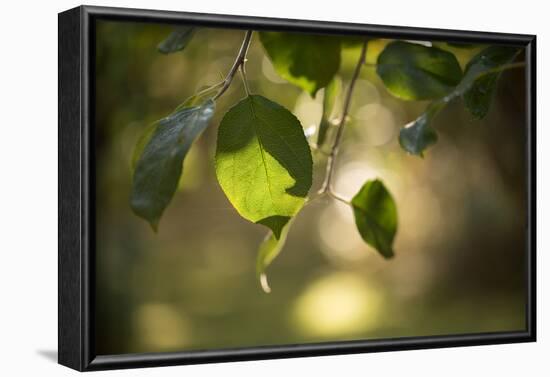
(260,144)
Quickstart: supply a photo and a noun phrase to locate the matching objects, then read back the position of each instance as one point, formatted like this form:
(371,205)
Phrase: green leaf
(476,87)
(269,249)
(414,72)
(376,216)
(263,162)
(332,91)
(159,167)
(479,95)
(305,60)
(419,135)
(141,143)
(177,40)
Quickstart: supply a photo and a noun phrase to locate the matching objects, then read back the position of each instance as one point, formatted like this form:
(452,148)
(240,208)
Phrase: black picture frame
(77,190)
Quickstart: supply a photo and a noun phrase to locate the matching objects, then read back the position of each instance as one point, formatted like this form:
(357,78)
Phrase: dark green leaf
(263,161)
(477,88)
(414,72)
(177,40)
(332,91)
(480,92)
(305,60)
(141,143)
(376,216)
(419,135)
(158,169)
(269,249)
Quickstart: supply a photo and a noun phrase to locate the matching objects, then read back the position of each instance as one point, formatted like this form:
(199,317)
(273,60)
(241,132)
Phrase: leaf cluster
(263,161)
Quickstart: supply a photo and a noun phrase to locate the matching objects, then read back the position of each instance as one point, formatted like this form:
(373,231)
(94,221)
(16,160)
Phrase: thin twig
(334,195)
(501,68)
(239,61)
(326,187)
(243,76)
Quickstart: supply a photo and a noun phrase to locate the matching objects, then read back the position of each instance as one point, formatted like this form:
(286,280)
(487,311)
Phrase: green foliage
(142,142)
(162,150)
(419,135)
(307,61)
(177,40)
(414,72)
(332,91)
(269,249)
(480,93)
(476,87)
(376,216)
(263,162)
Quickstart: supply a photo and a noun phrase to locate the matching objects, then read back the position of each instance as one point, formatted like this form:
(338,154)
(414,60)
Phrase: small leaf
(305,60)
(263,161)
(414,72)
(419,134)
(177,40)
(269,249)
(376,216)
(332,91)
(158,169)
(480,92)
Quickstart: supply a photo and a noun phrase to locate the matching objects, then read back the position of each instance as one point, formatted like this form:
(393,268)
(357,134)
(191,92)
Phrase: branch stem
(331,160)
(238,63)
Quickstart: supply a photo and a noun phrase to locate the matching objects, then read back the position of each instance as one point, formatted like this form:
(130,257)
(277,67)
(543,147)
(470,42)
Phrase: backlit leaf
(159,167)
(414,72)
(376,216)
(305,60)
(263,162)
(332,91)
(269,249)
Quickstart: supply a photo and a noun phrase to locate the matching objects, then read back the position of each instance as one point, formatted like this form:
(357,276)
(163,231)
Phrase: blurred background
(460,246)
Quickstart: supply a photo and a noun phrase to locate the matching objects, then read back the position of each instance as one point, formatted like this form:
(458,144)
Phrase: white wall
(28,184)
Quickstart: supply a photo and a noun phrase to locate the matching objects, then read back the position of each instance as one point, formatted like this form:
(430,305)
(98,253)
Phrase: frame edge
(70,339)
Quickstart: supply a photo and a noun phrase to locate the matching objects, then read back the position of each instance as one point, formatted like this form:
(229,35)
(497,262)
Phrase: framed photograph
(239,188)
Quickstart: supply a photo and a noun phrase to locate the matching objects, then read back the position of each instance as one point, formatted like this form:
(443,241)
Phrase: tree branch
(239,62)
(326,187)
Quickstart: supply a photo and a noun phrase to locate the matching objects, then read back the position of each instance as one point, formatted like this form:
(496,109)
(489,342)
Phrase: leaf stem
(243,76)
(331,161)
(501,68)
(239,62)
(338,197)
